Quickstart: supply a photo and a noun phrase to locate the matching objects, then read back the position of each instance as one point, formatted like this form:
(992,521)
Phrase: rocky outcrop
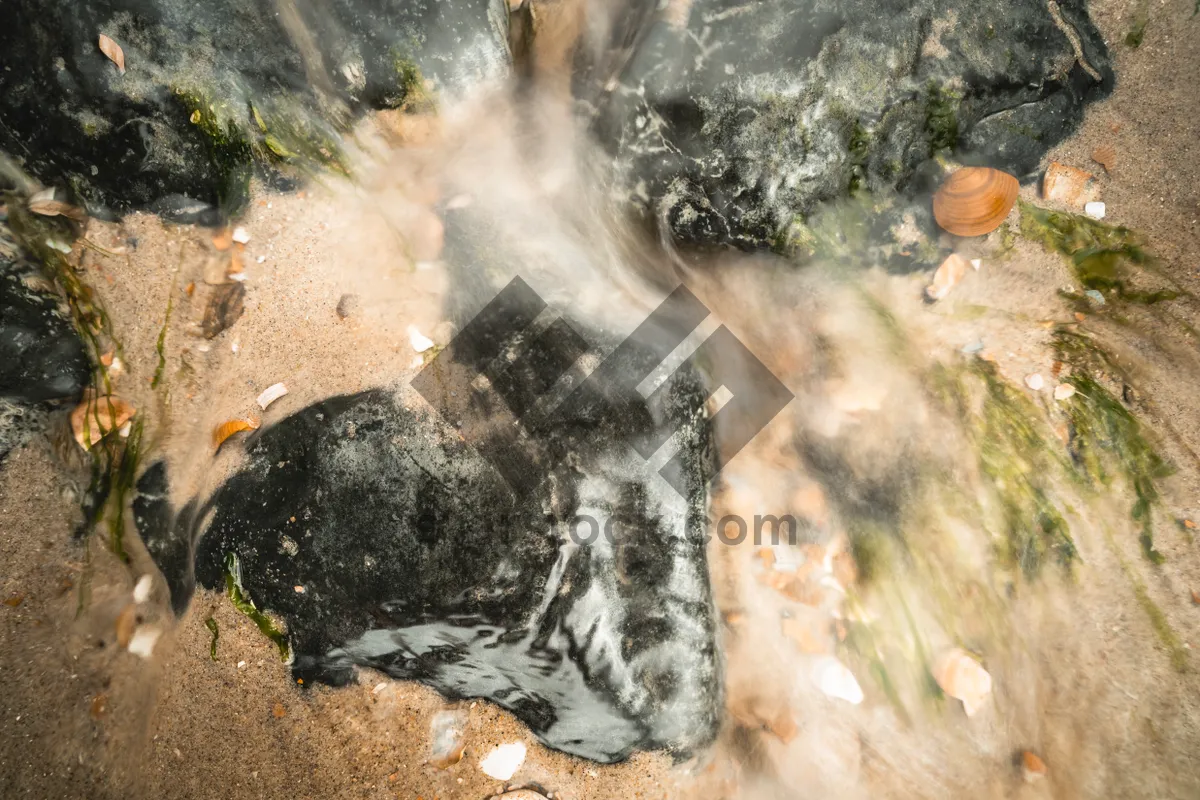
(733,122)
(42,360)
(211,91)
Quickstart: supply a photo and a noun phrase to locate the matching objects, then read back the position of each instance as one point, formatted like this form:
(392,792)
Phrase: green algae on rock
(242,602)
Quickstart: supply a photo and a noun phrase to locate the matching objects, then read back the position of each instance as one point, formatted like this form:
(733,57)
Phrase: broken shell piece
(141,590)
(1063,391)
(44,203)
(961,677)
(809,630)
(835,680)
(271,394)
(1032,767)
(1095,210)
(94,419)
(1068,185)
(1105,156)
(976,263)
(241,235)
(447,738)
(519,794)
(227,429)
(504,761)
(420,342)
(125,623)
(974,201)
(1035,381)
(143,641)
(947,277)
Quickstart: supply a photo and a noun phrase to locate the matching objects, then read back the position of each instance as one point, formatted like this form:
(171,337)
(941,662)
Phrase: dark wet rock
(438,546)
(212,89)
(736,129)
(42,360)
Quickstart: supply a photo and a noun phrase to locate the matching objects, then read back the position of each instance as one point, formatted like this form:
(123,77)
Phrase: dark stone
(736,130)
(42,360)
(212,89)
(438,547)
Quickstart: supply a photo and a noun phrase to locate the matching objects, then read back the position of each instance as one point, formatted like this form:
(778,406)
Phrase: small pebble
(1035,382)
(976,263)
(143,641)
(1094,209)
(348,306)
(241,235)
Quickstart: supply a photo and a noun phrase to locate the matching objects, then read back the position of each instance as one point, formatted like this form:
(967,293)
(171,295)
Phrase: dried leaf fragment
(14,600)
(271,394)
(227,429)
(1195,597)
(113,51)
(947,277)
(95,418)
(224,309)
(223,240)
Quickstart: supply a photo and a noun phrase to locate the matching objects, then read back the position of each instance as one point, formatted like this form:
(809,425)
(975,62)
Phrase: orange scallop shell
(974,201)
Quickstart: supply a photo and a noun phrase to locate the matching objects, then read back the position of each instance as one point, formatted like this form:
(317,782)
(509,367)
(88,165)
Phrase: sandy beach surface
(1085,683)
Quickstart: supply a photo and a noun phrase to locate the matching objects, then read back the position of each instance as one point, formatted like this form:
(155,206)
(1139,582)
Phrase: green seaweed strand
(242,602)
(211,624)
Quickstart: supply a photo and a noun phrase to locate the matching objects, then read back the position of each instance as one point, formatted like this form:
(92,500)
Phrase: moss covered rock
(210,90)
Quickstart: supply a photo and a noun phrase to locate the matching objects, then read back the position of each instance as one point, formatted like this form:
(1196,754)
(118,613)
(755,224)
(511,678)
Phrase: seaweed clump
(1018,461)
(1099,253)
(1106,439)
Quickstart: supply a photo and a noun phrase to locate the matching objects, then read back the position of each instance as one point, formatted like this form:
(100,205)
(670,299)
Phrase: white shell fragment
(271,394)
(143,641)
(962,677)
(241,235)
(1063,391)
(504,761)
(447,738)
(976,263)
(1094,209)
(835,680)
(420,342)
(141,591)
(1035,382)
(946,277)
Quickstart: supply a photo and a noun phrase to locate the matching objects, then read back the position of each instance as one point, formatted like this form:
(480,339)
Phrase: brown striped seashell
(962,677)
(974,201)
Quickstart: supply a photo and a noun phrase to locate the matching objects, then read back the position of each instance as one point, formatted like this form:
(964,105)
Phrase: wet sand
(1083,680)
